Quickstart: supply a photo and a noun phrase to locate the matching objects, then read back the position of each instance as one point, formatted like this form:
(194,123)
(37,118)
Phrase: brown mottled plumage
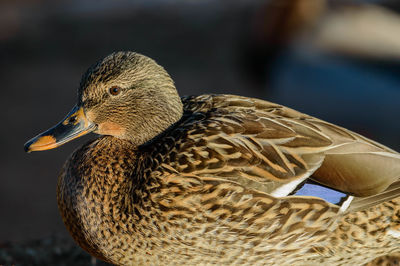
(204,179)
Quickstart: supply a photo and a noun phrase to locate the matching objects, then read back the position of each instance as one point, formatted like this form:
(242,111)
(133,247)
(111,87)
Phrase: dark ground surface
(206,46)
(52,250)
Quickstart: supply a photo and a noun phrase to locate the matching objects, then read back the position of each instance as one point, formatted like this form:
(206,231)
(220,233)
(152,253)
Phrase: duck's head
(125,95)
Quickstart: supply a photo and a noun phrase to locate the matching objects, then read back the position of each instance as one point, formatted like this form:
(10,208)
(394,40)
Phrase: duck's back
(264,145)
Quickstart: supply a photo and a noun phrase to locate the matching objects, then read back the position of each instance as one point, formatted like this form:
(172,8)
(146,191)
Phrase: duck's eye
(115,90)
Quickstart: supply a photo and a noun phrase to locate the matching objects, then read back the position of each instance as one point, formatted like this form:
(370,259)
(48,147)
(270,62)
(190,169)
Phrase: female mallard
(217,179)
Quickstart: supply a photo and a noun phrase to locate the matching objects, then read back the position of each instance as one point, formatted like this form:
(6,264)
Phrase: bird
(216,178)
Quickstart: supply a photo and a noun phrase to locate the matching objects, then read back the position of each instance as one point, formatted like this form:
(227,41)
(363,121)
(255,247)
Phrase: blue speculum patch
(327,194)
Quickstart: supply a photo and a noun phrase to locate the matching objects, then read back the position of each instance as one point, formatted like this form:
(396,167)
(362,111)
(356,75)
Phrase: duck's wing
(273,148)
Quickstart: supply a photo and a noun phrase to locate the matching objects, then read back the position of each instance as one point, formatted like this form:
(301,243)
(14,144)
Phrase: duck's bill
(73,126)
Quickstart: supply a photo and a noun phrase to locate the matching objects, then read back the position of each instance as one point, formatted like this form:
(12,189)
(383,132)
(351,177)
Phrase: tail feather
(362,203)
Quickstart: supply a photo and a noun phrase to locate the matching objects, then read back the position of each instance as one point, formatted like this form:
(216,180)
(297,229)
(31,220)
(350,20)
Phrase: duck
(215,178)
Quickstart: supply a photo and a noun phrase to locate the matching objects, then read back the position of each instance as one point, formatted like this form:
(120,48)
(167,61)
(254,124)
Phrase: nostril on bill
(72,120)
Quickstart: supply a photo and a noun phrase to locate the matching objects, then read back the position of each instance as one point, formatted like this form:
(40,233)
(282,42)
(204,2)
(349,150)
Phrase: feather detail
(276,148)
(362,203)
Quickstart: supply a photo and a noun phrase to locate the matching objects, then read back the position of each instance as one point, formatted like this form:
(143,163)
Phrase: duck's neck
(156,115)
(115,170)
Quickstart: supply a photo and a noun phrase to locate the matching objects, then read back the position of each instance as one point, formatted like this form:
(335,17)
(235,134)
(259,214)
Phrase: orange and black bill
(74,125)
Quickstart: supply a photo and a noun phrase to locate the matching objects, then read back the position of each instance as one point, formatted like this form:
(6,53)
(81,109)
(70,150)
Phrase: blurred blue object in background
(361,97)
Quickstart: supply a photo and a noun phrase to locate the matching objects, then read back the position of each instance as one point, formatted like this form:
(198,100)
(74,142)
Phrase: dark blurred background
(337,60)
